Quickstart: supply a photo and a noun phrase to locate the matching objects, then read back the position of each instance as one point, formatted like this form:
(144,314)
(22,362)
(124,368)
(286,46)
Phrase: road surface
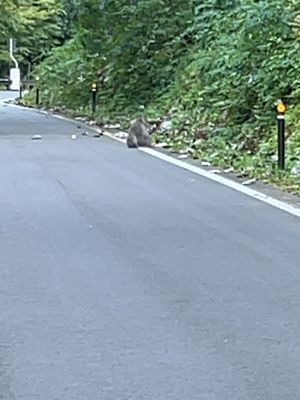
(125,278)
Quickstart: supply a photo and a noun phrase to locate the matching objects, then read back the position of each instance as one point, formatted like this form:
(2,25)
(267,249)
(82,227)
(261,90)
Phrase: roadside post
(94,97)
(281,109)
(14,73)
(37,93)
(21,91)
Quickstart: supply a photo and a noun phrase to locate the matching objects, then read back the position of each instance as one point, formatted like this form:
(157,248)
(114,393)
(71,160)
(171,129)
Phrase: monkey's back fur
(139,135)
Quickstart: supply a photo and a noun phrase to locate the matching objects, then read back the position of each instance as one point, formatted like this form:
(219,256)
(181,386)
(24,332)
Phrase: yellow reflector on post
(281,108)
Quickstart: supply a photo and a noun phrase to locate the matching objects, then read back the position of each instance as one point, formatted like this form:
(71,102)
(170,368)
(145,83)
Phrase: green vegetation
(37,26)
(215,67)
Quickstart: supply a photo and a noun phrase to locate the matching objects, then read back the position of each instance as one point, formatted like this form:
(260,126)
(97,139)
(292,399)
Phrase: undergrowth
(215,69)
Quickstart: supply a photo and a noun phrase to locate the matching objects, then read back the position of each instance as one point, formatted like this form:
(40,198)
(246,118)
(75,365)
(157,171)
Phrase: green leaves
(221,64)
(36,24)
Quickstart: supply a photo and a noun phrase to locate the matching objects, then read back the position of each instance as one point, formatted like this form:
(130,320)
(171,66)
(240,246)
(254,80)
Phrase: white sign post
(15,73)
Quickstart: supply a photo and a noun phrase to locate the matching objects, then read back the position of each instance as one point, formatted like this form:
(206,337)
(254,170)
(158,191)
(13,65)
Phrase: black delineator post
(37,91)
(281,141)
(21,92)
(94,97)
(281,108)
(37,96)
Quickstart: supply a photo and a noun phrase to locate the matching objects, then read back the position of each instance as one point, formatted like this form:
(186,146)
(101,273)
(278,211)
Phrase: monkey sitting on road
(139,134)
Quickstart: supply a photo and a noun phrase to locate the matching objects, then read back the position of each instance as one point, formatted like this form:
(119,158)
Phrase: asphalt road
(125,278)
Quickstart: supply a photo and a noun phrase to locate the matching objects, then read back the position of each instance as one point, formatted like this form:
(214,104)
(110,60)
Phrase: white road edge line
(288,208)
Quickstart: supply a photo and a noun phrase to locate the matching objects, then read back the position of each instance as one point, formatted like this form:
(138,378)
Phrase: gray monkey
(139,134)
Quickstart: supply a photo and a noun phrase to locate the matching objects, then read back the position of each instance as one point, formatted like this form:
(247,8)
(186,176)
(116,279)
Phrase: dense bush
(217,66)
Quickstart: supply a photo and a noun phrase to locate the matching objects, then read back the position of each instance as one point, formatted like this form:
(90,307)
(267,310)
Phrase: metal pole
(37,98)
(94,97)
(94,102)
(11,53)
(281,141)
(281,109)
(21,92)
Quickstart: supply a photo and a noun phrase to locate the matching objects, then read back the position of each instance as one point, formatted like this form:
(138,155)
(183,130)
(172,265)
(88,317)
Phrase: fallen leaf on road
(107,133)
(161,145)
(249,182)
(115,126)
(121,135)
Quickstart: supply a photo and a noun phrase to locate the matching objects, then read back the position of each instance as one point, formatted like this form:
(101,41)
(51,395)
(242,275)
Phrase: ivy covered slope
(216,66)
